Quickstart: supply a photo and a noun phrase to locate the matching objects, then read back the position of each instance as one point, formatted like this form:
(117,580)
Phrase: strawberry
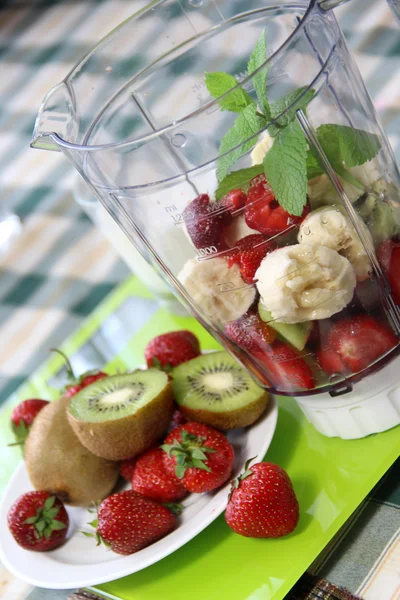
(249,253)
(128,522)
(201,457)
(22,418)
(250,332)
(360,340)
(286,369)
(262,503)
(329,360)
(178,418)
(234,200)
(263,213)
(150,478)
(205,221)
(126,468)
(38,521)
(171,349)
(388,255)
(78,383)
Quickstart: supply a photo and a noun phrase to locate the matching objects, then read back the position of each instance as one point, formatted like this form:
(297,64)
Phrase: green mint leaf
(57,525)
(237,180)
(220,83)
(285,169)
(314,169)
(257,59)
(247,124)
(289,104)
(346,146)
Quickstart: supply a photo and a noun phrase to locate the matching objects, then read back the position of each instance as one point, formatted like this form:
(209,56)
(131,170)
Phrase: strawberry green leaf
(31,520)
(57,525)
(237,180)
(87,534)
(174,507)
(179,471)
(236,142)
(285,169)
(219,84)
(257,59)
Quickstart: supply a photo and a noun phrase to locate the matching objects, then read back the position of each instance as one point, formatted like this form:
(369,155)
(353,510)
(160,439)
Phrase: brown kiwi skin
(241,417)
(129,436)
(56,461)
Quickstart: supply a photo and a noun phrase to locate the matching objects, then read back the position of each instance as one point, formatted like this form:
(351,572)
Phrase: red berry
(27,410)
(128,522)
(234,200)
(126,468)
(263,213)
(88,379)
(71,390)
(251,333)
(198,443)
(178,418)
(286,369)
(329,360)
(38,521)
(205,221)
(389,256)
(252,249)
(150,478)
(360,340)
(172,349)
(263,503)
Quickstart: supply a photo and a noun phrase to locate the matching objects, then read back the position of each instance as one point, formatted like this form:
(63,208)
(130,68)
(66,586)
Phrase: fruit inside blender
(295,297)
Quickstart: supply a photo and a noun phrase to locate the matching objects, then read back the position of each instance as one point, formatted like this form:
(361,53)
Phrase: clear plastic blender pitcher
(268,202)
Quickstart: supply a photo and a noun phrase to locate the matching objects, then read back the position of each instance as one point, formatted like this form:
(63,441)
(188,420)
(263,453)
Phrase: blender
(238,149)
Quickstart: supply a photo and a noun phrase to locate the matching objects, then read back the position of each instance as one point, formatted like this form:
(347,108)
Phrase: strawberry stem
(44,521)
(189,452)
(246,473)
(70,371)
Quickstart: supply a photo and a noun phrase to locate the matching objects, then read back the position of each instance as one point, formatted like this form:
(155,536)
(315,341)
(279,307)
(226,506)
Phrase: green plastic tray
(331,477)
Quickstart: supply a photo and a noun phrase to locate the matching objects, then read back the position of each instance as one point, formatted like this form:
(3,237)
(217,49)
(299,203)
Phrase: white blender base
(373,406)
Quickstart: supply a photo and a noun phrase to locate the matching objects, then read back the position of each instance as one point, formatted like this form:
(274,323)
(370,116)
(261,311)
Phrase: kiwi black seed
(120,416)
(214,389)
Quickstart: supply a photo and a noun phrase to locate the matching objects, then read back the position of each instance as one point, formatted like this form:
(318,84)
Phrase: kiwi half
(56,460)
(119,417)
(214,389)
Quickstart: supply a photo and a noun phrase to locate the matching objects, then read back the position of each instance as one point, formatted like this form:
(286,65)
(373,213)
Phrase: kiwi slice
(296,334)
(119,417)
(56,460)
(214,389)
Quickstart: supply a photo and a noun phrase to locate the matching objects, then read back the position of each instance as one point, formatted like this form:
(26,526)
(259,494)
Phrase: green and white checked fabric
(61,267)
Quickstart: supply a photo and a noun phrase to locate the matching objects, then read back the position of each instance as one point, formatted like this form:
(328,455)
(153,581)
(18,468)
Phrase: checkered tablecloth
(61,267)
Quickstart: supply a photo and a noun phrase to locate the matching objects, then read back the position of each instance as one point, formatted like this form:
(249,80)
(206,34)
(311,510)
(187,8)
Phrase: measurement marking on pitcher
(210,252)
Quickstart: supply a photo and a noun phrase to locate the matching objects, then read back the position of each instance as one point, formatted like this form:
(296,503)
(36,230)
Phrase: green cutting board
(331,477)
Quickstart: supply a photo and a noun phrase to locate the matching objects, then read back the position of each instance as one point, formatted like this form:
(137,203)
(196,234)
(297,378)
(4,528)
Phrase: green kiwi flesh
(120,416)
(214,389)
(296,334)
(56,460)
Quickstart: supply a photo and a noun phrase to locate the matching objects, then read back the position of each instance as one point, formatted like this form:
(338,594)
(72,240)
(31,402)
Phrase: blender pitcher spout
(56,119)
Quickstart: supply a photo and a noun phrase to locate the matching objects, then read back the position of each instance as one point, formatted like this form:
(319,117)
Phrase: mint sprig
(257,59)
(237,180)
(219,84)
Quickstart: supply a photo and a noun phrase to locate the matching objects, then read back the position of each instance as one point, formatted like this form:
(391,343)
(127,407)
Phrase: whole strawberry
(38,521)
(201,457)
(126,468)
(23,416)
(262,502)
(171,349)
(78,383)
(205,221)
(128,522)
(150,478)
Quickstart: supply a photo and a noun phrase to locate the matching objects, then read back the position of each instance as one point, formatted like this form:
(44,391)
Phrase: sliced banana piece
(330,227)
(303,282)
(261,149)
(218,290)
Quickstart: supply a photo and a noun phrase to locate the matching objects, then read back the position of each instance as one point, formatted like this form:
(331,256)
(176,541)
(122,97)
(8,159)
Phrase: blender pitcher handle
(56,119)
(390,306)
(328,4)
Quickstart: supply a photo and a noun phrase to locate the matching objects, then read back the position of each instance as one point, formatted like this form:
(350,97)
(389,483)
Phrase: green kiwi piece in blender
(120,416)
(215,390)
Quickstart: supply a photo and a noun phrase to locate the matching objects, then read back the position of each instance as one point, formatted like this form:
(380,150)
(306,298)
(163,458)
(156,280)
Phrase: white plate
(80,563)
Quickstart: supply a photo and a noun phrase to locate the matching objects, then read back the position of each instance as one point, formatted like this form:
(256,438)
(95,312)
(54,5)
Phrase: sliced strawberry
(251,333)
(329,360)
(234,200)
(389,256)
(263,213)
(286,369)
(360,340)
(248,254)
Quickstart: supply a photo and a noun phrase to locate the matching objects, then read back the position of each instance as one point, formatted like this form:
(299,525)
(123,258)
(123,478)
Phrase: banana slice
(332,228)
(303,282)
(218,290)
(261,149)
